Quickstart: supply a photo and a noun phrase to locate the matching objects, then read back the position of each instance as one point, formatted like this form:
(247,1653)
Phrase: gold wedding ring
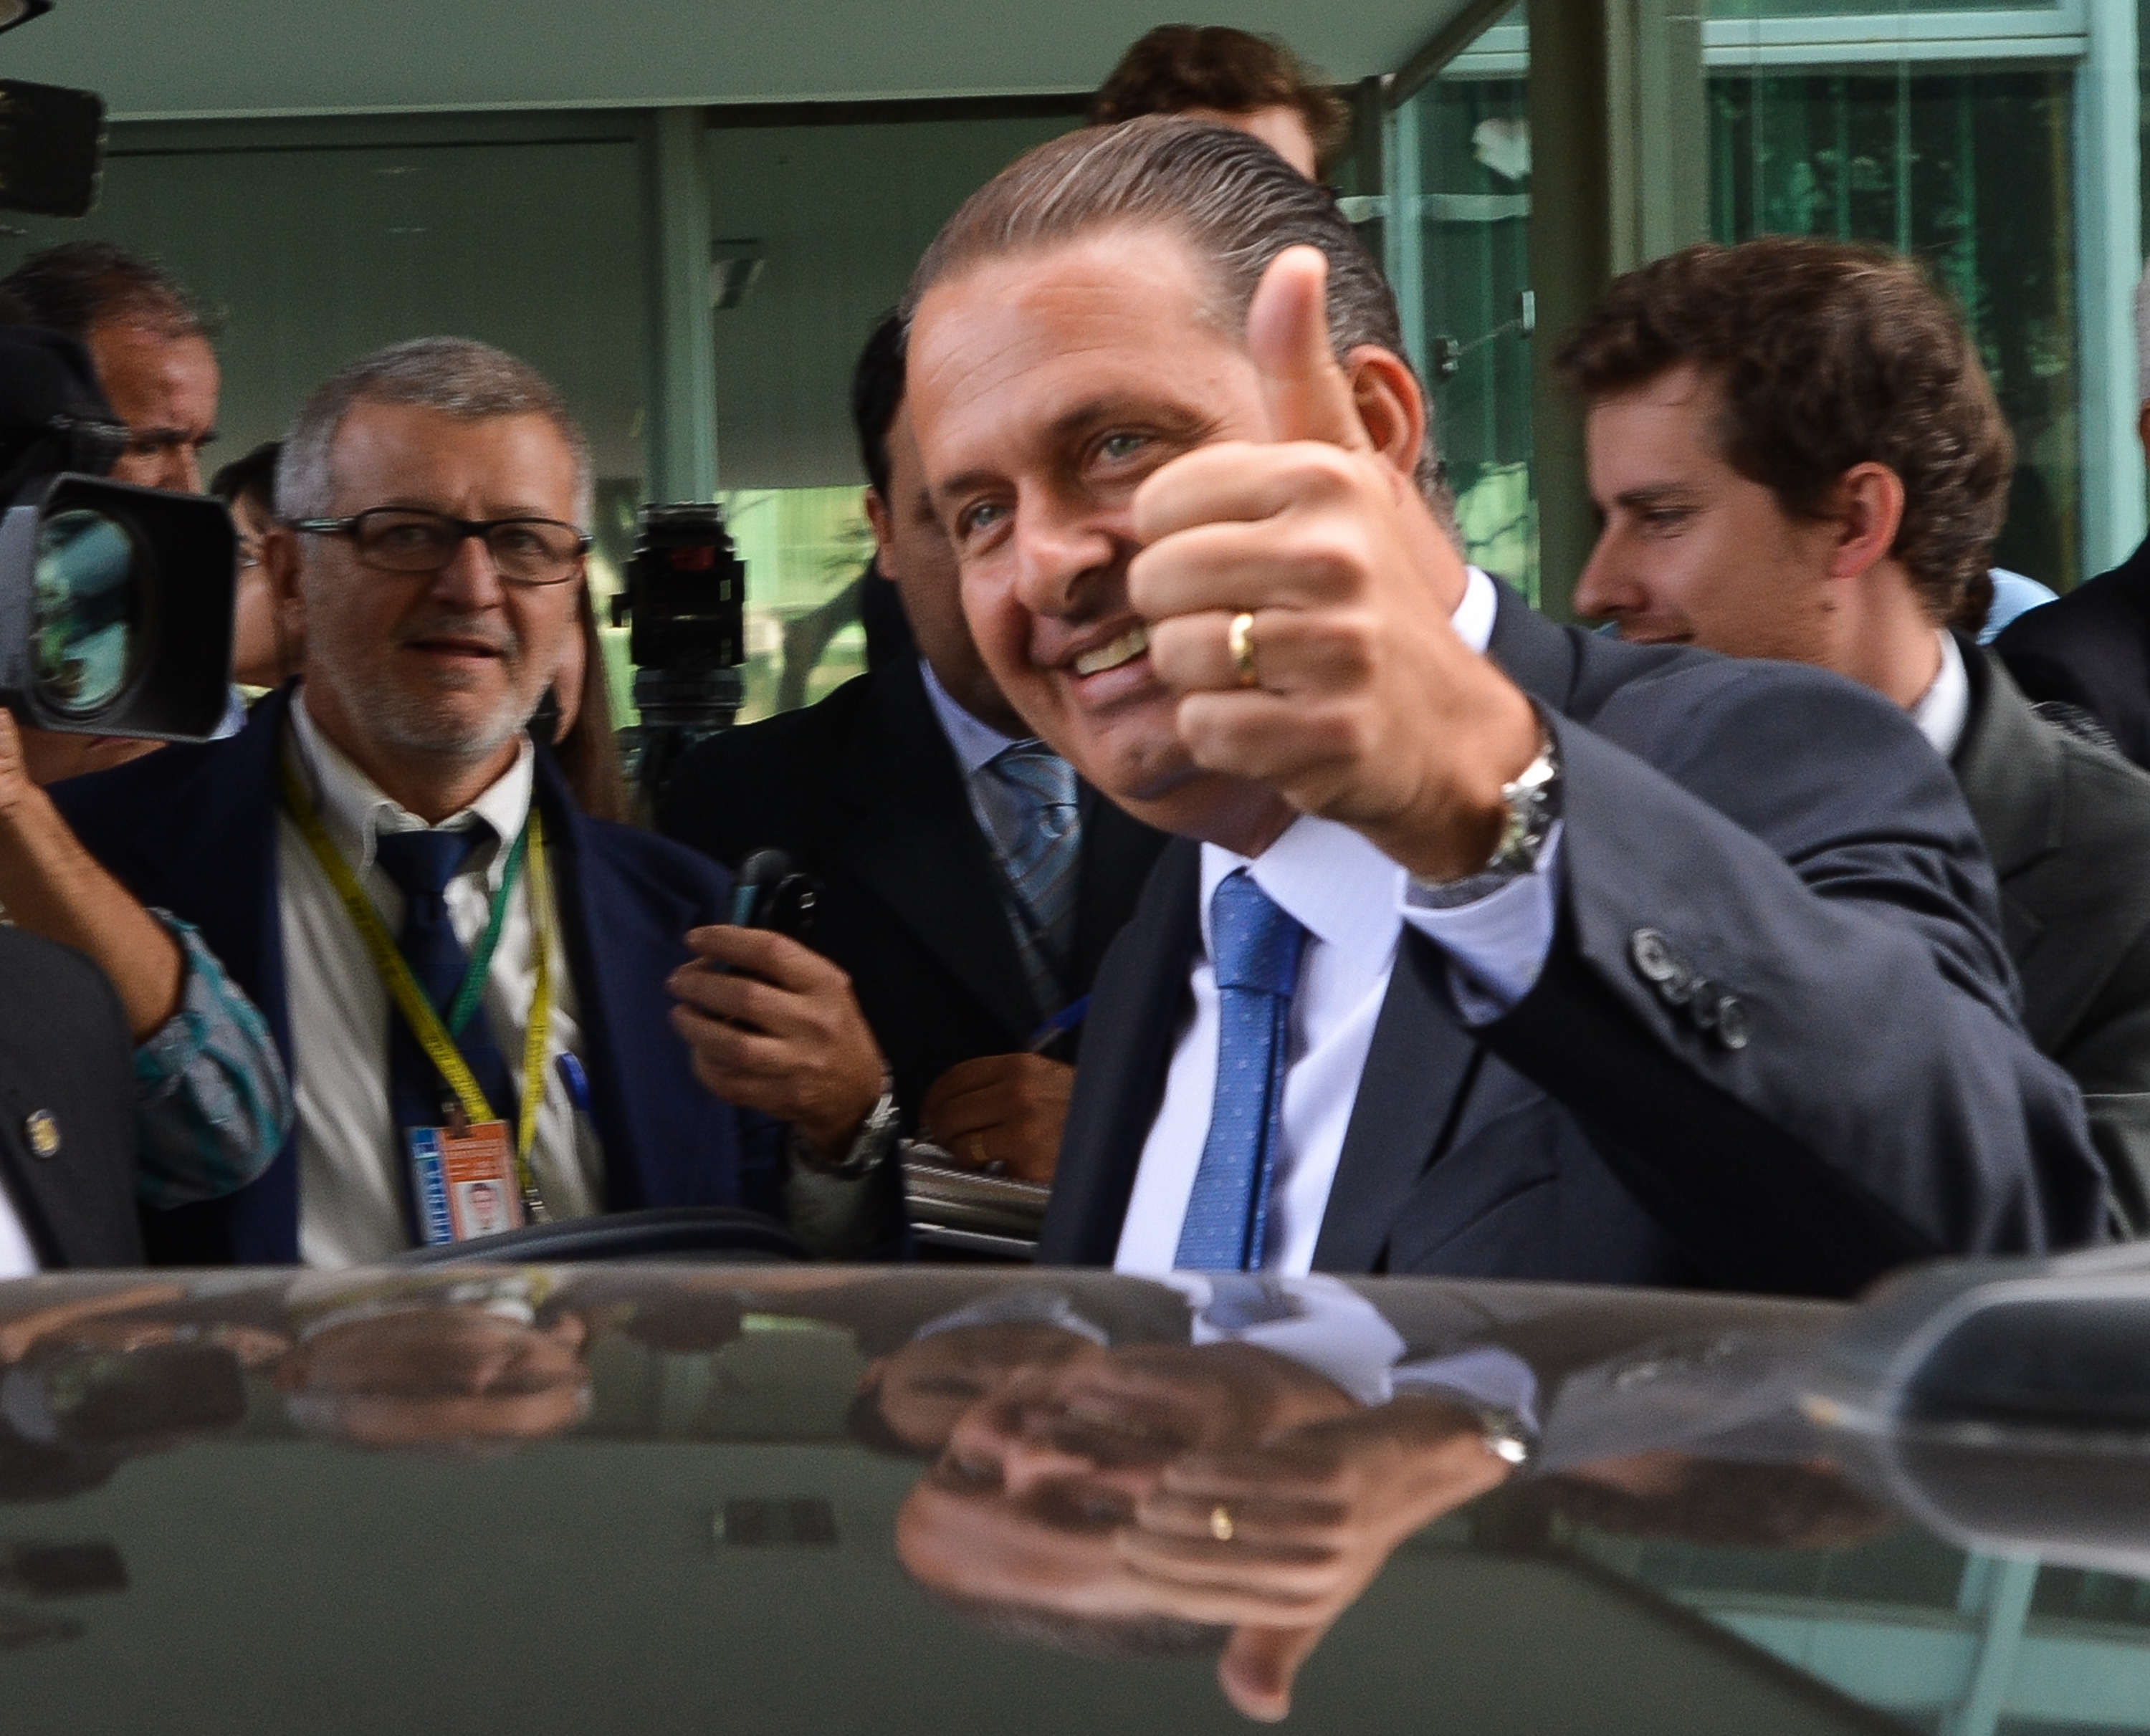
(1220,1516)
(1241,640)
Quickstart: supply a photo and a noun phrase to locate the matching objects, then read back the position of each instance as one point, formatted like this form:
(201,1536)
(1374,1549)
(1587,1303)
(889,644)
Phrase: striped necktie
(1256,947)
(1027,792)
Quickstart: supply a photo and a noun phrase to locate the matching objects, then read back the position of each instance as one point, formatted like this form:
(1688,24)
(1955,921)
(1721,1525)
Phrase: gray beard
(402,722)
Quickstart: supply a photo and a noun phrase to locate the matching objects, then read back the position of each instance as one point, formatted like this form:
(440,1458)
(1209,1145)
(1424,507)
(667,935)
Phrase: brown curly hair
(1178,67)
(1829,355)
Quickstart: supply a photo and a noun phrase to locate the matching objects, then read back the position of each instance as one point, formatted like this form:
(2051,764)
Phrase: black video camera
(686,599)
(115,601)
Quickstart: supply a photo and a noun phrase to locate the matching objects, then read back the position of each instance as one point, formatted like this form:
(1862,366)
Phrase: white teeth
(1129,646)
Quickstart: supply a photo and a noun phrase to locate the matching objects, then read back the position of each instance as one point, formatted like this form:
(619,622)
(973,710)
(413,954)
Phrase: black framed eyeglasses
(403,539)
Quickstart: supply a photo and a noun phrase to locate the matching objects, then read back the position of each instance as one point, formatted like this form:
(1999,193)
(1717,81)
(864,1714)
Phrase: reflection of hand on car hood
(1170,1499)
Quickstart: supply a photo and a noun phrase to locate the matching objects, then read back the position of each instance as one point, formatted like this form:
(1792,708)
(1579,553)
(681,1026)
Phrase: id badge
(465,1181)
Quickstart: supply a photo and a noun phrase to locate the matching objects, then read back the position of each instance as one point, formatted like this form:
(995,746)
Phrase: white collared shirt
(18,1258)
(353,1167)
(1944,708)
(1353,901)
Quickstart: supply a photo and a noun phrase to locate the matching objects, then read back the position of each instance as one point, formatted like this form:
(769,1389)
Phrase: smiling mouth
(1125,649)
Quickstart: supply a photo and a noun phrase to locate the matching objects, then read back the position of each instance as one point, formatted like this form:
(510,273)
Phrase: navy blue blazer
(193,830)
(1757,831)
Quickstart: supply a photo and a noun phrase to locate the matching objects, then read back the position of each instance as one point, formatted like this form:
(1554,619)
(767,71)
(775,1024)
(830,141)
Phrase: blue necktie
(421,864)
(1256,947)
(1028,794)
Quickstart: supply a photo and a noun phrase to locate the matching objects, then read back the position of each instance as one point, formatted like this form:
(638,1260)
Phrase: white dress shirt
(18,1258)
(1353,901)
(353,1167)
(1944,708)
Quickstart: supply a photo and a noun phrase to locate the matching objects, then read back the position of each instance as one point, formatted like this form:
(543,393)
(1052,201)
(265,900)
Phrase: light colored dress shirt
(976,744)
(1353,901)
(352,1162)
(1944,708)
(18,1259)
(2013,595)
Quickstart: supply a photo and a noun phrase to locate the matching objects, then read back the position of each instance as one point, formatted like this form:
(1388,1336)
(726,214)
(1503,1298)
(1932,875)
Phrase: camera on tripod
(685,599)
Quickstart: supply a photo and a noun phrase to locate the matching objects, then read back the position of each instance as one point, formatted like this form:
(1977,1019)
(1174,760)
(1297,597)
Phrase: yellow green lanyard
(412,1001)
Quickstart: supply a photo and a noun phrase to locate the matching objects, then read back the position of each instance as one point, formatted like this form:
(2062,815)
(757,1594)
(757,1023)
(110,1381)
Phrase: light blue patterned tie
(1256,947)
(1028,794)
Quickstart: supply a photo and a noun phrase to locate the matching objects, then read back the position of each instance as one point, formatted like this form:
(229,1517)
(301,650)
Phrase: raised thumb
(1258,1665)
(1287,336)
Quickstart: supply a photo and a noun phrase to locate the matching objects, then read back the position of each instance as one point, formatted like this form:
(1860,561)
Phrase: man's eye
(975,520)
(1118,447)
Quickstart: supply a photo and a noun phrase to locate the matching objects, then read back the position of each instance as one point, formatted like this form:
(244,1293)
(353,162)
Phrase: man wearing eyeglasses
(466,974)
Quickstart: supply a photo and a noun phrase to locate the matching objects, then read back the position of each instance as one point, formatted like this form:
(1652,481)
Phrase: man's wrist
(855,1146)
(1468,830)
(1529,808)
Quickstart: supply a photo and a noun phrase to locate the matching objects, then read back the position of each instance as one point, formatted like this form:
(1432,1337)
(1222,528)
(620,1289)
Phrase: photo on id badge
(465,1181)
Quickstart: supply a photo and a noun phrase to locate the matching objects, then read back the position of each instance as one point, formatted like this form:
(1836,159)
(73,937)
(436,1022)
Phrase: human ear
(883,522)
(281,564)
(1392,408)
(1869,511)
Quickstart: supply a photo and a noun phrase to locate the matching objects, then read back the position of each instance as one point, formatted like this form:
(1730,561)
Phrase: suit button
(41,1127)
(1732,1029)
(1653,956)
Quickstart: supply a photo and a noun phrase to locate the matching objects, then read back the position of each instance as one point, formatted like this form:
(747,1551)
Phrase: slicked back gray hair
(456,376)
(1234,201)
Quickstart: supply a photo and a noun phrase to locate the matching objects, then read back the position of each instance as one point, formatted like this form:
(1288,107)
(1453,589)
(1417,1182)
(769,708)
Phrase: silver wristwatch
(1531,802)
(874,1139)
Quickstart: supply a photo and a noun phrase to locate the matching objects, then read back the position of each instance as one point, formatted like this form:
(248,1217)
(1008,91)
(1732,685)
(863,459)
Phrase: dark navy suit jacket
(1784,836)
(866,795)
(193,829)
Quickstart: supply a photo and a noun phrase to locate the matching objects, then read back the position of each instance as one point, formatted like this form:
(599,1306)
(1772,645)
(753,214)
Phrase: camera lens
(88,610)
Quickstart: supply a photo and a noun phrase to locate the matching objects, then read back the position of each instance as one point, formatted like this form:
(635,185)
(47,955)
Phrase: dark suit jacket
(64,1048)
(193,829)
(1794,839)
(2068,825)
(2092,649)
(866,794)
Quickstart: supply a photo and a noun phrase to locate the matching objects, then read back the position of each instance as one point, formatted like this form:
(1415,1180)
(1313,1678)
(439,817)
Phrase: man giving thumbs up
(1492,947)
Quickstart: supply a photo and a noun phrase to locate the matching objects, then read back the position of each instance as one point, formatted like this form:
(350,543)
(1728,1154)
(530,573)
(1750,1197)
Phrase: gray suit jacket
(1752,829)
(2068,825)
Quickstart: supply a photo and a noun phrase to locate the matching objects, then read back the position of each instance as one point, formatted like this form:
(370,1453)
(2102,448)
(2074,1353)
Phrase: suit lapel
(625,1013)
(1118,852)
(212,853)
(917,848)
(1127,1049)
(2009,766)
(1418,1072)
(1422,1061)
